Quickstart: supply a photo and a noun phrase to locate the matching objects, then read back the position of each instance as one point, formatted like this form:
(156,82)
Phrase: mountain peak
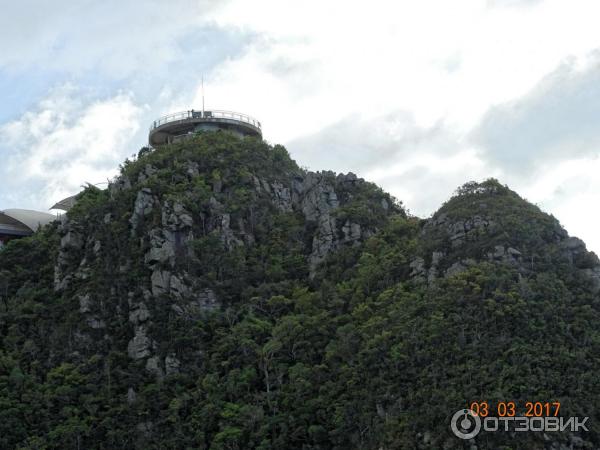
(215,278)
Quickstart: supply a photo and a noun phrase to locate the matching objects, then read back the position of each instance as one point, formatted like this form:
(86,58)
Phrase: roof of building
(26,219)
(12,227)
(66,203)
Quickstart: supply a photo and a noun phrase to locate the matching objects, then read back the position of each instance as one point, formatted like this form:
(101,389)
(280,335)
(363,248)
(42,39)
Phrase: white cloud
(437,59)
(65,143)
(554,122)
(113,37)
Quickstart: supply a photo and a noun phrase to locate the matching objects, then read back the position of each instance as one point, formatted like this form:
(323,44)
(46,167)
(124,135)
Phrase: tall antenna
(202,95)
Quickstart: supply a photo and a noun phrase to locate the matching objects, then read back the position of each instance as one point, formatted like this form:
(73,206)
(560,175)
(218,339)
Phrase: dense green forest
(217,296)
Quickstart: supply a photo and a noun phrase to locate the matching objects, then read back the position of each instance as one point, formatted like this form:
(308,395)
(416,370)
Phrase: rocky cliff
(218,296)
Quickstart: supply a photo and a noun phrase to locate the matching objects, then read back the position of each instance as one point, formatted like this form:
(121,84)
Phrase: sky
(418,97)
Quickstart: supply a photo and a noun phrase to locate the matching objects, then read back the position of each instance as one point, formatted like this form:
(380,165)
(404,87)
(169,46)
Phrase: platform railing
(214,114)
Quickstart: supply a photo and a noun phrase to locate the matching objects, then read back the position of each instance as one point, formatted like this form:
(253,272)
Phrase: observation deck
(176,126)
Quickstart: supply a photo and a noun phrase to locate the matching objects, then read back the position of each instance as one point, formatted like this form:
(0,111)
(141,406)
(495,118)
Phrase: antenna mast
(202,95)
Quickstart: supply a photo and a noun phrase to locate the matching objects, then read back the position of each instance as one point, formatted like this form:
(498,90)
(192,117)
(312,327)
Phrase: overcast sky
(419,97)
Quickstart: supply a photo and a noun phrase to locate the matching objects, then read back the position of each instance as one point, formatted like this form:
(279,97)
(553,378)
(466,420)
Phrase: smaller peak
(491,186)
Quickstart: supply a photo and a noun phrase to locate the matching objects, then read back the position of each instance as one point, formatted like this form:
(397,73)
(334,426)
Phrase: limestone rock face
(162,227)
(195,307)
(139,314)
(71,247)
(417,267)
(175,217)
(144,203)
(317,200)
(148,171)
(573,247)
(152,366)
(318,196)
(71,240)
(162,249)
(459,266)
(161,282)
(131,396)
(192,169)
(140,345)
(433,272)
(172,364)
(227,235)
(121,183)
(282,196)
(352,231)
(506,254)
(85,303)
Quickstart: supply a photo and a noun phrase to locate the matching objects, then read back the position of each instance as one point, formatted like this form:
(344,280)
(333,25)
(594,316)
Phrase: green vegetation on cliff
(217,296)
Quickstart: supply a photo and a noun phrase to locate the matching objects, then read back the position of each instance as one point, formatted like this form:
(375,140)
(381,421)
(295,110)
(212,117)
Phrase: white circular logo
(465,424)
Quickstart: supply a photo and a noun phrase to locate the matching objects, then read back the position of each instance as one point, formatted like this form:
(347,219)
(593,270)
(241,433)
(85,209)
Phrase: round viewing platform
(174,127)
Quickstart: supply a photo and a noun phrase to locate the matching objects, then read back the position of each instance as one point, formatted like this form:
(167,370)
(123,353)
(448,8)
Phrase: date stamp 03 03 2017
(511,416)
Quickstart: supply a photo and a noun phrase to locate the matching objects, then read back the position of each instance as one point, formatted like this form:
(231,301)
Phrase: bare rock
(139,346)
(172,365)
(162,250)
(417,266)
(119,184)
(95,323)
(72,240)
(160,282)
(176,217)
(152,366)
(131,396)
(143,206)
(192,169)
(281,196)
(194,308)
(140,314)
(352,231)
(227,235)
(146,173)
(459,267)
(85,303)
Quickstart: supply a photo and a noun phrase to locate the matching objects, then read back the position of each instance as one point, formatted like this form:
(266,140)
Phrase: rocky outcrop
(119,184)
(160,282)
(69,253)
(139,313)
(506,254)
(459,267)
(228,237)
(203,301)
(140,345)
(316,198)
(148,171)
(144,203)
(352,232)
(163,227)
(172,365)
(171,240)
(459,231)
(572,248)
(281,196)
